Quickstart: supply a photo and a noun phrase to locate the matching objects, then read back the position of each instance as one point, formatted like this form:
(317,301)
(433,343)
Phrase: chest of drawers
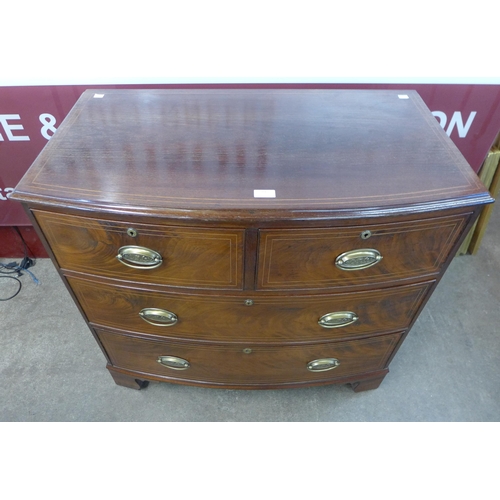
(250,239)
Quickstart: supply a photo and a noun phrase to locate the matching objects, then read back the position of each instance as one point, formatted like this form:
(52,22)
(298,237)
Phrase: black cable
(27,261)
(15,268)
(18,289)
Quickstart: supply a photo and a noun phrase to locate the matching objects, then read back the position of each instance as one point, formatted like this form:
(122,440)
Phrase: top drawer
(181,257)
(352,256)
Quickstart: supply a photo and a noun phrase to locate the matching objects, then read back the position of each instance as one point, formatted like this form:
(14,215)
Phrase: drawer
(190,257)
(354,256)
(267,319)
(236,365)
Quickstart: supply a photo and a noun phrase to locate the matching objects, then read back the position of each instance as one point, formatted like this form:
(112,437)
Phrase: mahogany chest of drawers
(251,238)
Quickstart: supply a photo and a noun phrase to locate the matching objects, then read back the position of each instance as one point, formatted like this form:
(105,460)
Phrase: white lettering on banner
(456,121)
(442,118)
(8,192)
(9,127)
(48,121)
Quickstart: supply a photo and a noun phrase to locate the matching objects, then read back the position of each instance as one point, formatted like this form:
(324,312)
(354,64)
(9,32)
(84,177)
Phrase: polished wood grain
(166,151)
(176,171)
(192,257)
(229,364)
(127,381)
(368,384)
(305,258)
(268,319)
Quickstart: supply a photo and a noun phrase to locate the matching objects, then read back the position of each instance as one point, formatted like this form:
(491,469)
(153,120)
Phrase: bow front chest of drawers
(251,238)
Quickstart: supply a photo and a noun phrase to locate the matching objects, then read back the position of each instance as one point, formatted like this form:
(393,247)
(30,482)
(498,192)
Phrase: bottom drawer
(248,365)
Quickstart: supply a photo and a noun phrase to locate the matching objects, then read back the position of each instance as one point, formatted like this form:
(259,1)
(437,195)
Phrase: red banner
(29,116)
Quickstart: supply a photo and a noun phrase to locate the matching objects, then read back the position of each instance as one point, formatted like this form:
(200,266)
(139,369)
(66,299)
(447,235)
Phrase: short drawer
(353,256)
(248,365)
(180,257)
(250,318)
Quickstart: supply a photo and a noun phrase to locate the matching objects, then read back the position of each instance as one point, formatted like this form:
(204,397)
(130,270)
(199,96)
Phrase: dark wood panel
(251,364)
(159,150)
(305,258)
(268,319)
(194,257)
(248,277)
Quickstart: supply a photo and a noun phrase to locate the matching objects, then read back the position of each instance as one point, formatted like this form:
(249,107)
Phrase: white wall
(55,42)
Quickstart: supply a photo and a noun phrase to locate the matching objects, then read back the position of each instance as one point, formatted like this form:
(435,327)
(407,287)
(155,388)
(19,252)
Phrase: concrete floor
(448,369)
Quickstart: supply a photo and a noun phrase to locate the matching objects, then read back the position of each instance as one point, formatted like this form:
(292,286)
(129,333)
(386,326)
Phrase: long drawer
(234,365)
(355,256)
(146,253)
(252,317)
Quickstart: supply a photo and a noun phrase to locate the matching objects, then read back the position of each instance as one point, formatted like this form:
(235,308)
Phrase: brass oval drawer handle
(338,319)
(358,259)
(158,317)
(173,362)
(139,257)
(323,364)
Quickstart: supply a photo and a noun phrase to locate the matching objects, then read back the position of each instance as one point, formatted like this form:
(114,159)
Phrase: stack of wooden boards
(490,176)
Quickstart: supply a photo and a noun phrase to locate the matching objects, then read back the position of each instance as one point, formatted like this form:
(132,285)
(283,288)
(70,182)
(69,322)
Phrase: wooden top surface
(360,151)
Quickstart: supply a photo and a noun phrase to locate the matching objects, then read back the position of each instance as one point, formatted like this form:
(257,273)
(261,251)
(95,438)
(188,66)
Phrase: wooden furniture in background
(490,176)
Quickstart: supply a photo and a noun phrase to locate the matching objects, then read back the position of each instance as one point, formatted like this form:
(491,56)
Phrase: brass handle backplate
(139,257)
(358,259)
(323,364)
(158,317)
(338,319)
(174,362)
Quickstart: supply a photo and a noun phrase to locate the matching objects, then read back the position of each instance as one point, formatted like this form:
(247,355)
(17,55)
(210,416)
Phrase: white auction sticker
(264,193)
(403,96)
(98,96)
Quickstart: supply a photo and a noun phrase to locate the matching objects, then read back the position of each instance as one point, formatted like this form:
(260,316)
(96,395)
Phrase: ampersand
(48,121)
